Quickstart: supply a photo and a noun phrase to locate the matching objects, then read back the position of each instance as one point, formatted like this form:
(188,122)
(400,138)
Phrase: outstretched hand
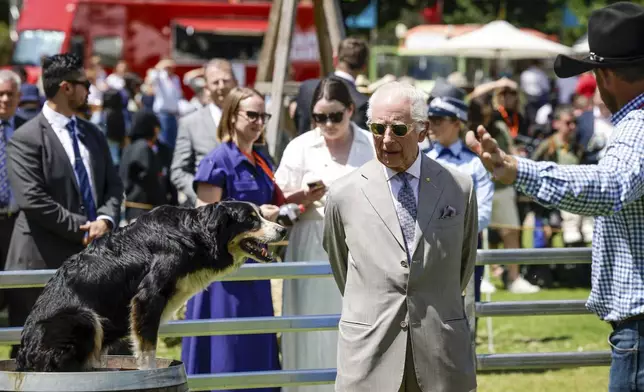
(502,166)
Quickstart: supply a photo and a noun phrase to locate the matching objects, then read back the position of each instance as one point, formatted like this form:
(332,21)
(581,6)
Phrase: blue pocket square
(448,212)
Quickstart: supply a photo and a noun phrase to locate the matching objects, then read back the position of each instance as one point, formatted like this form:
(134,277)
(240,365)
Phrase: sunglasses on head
(322,118)
(379,129)
(85,83)
(253,116)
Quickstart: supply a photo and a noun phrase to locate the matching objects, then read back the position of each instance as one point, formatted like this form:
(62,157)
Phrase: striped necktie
(81,173)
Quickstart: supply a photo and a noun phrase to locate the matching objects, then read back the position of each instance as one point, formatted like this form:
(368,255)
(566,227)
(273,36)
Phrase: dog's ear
(215,222)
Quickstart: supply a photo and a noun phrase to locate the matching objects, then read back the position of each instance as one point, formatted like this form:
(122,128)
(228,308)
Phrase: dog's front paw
(147,361)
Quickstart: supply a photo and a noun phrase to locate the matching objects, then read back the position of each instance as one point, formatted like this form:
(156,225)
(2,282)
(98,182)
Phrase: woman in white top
(333,149)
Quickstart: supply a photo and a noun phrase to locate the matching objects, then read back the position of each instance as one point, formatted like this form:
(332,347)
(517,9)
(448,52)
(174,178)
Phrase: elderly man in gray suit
(401,235)
(197,134)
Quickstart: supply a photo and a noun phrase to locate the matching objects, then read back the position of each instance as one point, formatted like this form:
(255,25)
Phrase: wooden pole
(334,21)
(266,56)
(282,52)
(325,45)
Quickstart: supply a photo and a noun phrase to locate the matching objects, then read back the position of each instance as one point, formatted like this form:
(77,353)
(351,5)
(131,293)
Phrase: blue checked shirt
(612,191)
(466,162)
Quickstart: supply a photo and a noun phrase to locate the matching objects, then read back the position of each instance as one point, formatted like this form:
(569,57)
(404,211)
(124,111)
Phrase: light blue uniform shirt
(462,159)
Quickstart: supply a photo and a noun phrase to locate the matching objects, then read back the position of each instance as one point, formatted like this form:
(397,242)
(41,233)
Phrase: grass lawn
(525,334)
(535,334)
(544,334)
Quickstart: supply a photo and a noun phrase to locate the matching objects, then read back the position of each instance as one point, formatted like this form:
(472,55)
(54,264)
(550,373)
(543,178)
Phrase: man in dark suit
(63,180)
(9,122)
(353,56)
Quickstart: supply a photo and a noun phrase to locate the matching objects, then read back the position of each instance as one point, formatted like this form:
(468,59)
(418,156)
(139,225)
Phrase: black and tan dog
(132,280)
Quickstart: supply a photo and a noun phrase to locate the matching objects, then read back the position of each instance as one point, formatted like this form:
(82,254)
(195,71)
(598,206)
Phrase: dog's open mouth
(255,249)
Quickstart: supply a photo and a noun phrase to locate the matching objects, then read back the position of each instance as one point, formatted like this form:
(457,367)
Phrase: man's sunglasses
(322,118)
(399,130)
(85,83)
(253,116)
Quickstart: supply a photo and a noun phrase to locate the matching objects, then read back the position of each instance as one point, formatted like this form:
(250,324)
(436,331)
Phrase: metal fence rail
(486,362)
(318,269)
(322,269)
(531,308)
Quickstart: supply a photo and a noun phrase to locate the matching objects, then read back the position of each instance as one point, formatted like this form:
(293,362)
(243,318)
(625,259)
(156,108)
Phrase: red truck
(142,32)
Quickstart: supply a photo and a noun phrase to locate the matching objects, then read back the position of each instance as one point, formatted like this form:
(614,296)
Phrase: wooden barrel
(117,373)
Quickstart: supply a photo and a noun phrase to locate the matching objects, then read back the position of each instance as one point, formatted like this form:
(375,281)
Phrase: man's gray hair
(402,91)
(7,75)
(221,64)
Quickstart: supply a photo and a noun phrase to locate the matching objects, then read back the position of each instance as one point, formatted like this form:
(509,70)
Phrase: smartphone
(315,184)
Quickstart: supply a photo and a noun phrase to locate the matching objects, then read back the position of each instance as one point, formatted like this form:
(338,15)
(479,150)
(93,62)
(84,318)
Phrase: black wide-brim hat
(615,39)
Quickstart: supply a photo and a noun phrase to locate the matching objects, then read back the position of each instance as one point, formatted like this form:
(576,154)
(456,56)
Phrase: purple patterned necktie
(406,209)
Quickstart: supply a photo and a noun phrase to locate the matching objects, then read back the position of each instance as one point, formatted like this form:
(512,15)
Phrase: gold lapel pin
(427,179)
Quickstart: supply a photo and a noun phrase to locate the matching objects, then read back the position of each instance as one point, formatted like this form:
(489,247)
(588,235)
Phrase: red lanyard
(514,125)
(261,163)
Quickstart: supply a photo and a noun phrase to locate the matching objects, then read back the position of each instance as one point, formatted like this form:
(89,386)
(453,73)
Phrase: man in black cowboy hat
(612,190)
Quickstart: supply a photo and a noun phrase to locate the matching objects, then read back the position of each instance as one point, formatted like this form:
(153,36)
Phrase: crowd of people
(84,152)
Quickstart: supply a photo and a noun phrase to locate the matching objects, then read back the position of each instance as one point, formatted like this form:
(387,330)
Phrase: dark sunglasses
(571,123)
(322,118)
(85,83)
(253,116)
(399,130)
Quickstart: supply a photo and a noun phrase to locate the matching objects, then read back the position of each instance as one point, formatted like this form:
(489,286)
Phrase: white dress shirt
(58,123)
(115,81)
(307,159)
(535,82)
(215,112)
(167,91)
(395,183)
(345,76)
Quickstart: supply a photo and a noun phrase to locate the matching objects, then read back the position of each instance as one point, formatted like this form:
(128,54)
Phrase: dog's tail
(70,340)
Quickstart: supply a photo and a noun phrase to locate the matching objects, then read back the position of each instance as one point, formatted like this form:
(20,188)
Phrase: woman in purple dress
(235,169)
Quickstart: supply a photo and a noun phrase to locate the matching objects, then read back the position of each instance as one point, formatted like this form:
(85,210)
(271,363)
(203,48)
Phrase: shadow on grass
(482,340)
(547,339)
(521,371)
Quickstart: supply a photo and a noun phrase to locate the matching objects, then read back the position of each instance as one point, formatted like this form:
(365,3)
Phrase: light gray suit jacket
(197,136)
(385,297)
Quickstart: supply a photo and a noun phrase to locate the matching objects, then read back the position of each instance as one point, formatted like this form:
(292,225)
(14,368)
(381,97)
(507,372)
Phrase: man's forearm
(585,190)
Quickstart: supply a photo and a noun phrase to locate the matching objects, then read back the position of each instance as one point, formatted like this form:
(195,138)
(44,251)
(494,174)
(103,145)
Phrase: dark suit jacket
(17,123)
(145,176)
(304,100)
(44,185)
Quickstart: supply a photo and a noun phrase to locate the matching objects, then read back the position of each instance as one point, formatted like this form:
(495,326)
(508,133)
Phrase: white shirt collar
(414,169)
(215,112)
(345,75)
(55,119)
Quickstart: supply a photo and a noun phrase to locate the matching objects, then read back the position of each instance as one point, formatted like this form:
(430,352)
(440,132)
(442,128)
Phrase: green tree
(543,15)
(6,44)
